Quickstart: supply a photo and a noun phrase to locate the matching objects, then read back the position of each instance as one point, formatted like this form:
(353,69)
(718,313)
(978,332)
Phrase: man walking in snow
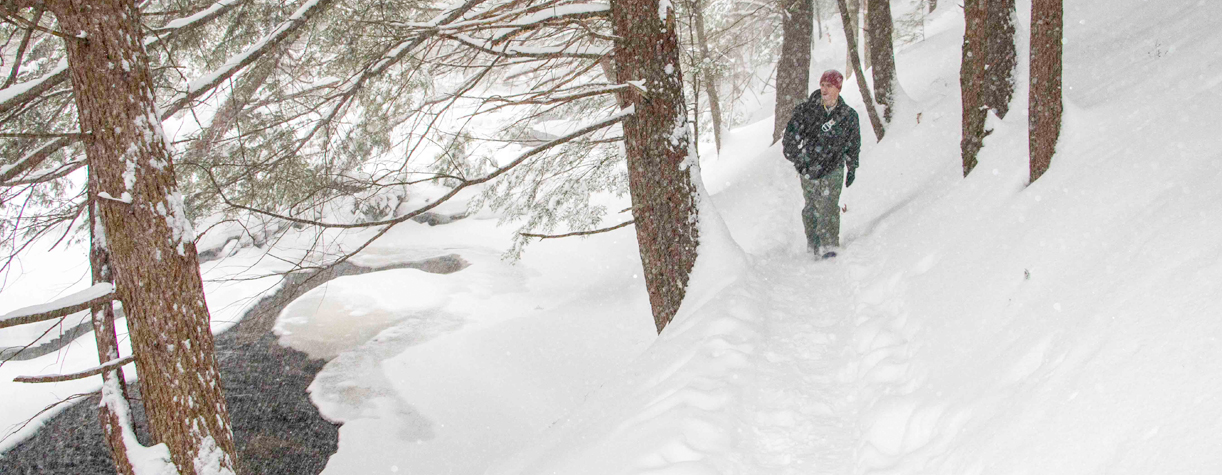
(822,139)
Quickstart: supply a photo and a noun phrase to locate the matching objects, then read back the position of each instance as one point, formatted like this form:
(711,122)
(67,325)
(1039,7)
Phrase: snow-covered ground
(969,326)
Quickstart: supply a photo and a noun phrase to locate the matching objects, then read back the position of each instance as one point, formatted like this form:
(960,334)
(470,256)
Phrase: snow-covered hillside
(969,326)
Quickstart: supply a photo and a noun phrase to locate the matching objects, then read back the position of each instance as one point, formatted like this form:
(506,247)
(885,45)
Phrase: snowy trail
(800,412)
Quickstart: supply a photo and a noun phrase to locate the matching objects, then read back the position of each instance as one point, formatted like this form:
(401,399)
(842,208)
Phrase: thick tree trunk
(1044,116)
(878,20)
(1002,57)
(855,63)
(793,69)
(710,78)
(153,257)
(971,81)
(656,141)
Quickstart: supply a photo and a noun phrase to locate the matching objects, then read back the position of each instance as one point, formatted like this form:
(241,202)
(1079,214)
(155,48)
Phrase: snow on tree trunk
(153,257)
(656,142)
(882,54)
(1044,117)
(971,81)
(105,335)
(793,69)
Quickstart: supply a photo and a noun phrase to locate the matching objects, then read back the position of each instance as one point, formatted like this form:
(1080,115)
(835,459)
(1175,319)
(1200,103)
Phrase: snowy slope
(970,326)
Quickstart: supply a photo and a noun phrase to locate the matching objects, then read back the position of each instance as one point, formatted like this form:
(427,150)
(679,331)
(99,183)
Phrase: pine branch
(615,119)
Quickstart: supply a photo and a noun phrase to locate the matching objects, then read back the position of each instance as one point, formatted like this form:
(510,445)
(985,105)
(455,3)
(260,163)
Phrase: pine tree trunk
(710,78)
(153,257)
(850,35)
(855,63)
(882,53)
(866,37)
(819,16)
(971,81)
(793,69)
(103,317)
(1002,57)
(1044,116)
(656,141)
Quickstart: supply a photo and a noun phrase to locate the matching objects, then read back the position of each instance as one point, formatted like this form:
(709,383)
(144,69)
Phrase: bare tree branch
(25,41)
(27,422)
(55,378)
(578,233)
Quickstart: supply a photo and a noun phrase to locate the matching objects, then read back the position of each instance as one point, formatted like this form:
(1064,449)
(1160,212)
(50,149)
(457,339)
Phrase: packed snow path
(799,412)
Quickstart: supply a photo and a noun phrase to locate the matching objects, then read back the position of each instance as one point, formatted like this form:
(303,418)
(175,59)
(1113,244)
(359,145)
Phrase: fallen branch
(55,378)
(578,233)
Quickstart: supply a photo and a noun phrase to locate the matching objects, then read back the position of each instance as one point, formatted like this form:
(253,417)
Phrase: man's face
(829,91)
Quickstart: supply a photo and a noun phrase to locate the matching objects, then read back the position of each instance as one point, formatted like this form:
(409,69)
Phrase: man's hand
(848,179)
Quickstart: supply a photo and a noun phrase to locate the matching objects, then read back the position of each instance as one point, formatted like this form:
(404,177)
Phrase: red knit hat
(832,77)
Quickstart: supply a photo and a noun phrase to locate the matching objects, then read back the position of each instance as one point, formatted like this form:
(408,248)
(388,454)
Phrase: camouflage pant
(821,215)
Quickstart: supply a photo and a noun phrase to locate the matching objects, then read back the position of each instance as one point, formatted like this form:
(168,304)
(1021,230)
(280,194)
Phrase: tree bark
(104,333)
(153,257)
(878,20)
(710,78)
(850,34)
(819,16)
(793,69)
(1044,116)
(971,81)
(1001,57)
(855,63)
(866,39)
(656,141)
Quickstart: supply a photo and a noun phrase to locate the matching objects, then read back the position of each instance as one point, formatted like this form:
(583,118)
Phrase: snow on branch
(20,94)
(283,31)
(98,294)
(392,56)
(31,160)
(63,171)
(614,119)
(199,18)
(524,18)
(55,378)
